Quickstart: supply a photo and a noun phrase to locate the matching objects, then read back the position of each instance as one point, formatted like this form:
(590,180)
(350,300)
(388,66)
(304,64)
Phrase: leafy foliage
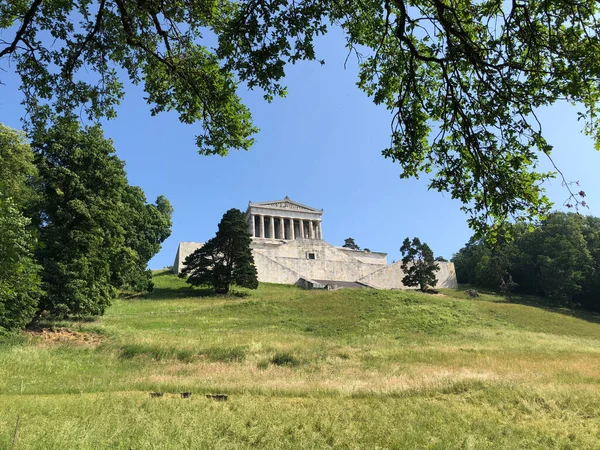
(224,259)
(146,227)
(16,166)
(349,243)
(418,264)
(97,232)
(463,79)
(559,259)
(19,273)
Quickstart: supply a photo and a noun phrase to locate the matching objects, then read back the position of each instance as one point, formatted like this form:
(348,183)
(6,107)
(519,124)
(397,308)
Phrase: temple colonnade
(273,227)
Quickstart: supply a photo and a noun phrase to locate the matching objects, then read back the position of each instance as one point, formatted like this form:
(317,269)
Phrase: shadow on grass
(577,313)
(582,314)
(535,302)
(171,293)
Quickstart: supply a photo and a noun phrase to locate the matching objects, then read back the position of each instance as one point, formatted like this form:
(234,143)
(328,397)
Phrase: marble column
(272,227)
(281,228)
(292,236)
(261,226)
(319,234)
(301,228)
(311,229)
(252,226)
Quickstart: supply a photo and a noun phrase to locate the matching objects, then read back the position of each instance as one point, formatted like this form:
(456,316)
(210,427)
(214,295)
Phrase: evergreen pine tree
(225,259)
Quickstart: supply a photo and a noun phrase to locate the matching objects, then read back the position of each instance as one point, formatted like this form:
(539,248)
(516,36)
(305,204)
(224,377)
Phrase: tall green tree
(225,259)
(588,296)
(463,79)
(97,232)
(418,264)
(19,272)
(485,265)
(561,257)
(78,218)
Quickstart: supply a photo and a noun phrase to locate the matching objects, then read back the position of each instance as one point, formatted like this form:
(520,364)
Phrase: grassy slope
(365,369)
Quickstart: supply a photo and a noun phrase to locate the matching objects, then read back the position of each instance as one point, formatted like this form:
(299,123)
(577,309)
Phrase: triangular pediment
(288,204)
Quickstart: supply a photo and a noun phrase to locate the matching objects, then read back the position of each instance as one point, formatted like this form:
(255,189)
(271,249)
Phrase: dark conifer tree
(225,259)
(349,243)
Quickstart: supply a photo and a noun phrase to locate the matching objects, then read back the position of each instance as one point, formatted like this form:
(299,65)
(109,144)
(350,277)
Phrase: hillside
(306,369)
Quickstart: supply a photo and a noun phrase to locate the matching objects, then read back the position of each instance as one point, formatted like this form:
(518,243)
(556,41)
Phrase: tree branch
(70,64)
(27,19)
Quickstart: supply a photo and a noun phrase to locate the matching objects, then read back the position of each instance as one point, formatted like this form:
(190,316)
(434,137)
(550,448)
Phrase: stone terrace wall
(270,271)
(366,257)
(286,262)
(330,263)
(183,251)
(390,277)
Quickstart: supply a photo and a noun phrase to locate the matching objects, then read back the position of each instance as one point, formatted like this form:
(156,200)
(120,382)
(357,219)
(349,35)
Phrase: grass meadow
(305,369)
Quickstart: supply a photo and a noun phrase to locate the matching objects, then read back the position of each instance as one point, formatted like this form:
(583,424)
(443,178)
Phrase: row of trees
(559,260)
(72,229)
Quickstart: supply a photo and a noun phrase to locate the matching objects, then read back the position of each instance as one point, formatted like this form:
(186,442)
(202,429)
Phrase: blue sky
(320,146)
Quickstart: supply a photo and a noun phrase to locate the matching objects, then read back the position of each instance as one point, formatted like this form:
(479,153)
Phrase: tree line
(72,229)
(559,260)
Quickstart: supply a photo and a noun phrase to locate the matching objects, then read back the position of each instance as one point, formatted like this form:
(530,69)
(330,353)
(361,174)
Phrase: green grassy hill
(306,369)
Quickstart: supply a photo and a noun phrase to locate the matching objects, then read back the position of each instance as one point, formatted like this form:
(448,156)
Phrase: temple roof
(285,203)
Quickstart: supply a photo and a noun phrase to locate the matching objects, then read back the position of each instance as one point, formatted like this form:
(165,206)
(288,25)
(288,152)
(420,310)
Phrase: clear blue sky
(320,146)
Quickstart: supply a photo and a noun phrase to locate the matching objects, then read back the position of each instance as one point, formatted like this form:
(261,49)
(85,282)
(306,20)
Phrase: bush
(284,359)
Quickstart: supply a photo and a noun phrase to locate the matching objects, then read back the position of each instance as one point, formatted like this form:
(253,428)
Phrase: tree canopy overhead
(463,78)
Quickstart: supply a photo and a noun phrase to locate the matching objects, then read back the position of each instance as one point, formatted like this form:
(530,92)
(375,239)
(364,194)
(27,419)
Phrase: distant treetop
(349,243)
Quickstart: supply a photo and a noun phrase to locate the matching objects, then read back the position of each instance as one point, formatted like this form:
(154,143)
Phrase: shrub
(284,359)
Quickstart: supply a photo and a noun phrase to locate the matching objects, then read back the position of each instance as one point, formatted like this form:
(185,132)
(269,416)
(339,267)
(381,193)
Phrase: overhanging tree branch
(27,21)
